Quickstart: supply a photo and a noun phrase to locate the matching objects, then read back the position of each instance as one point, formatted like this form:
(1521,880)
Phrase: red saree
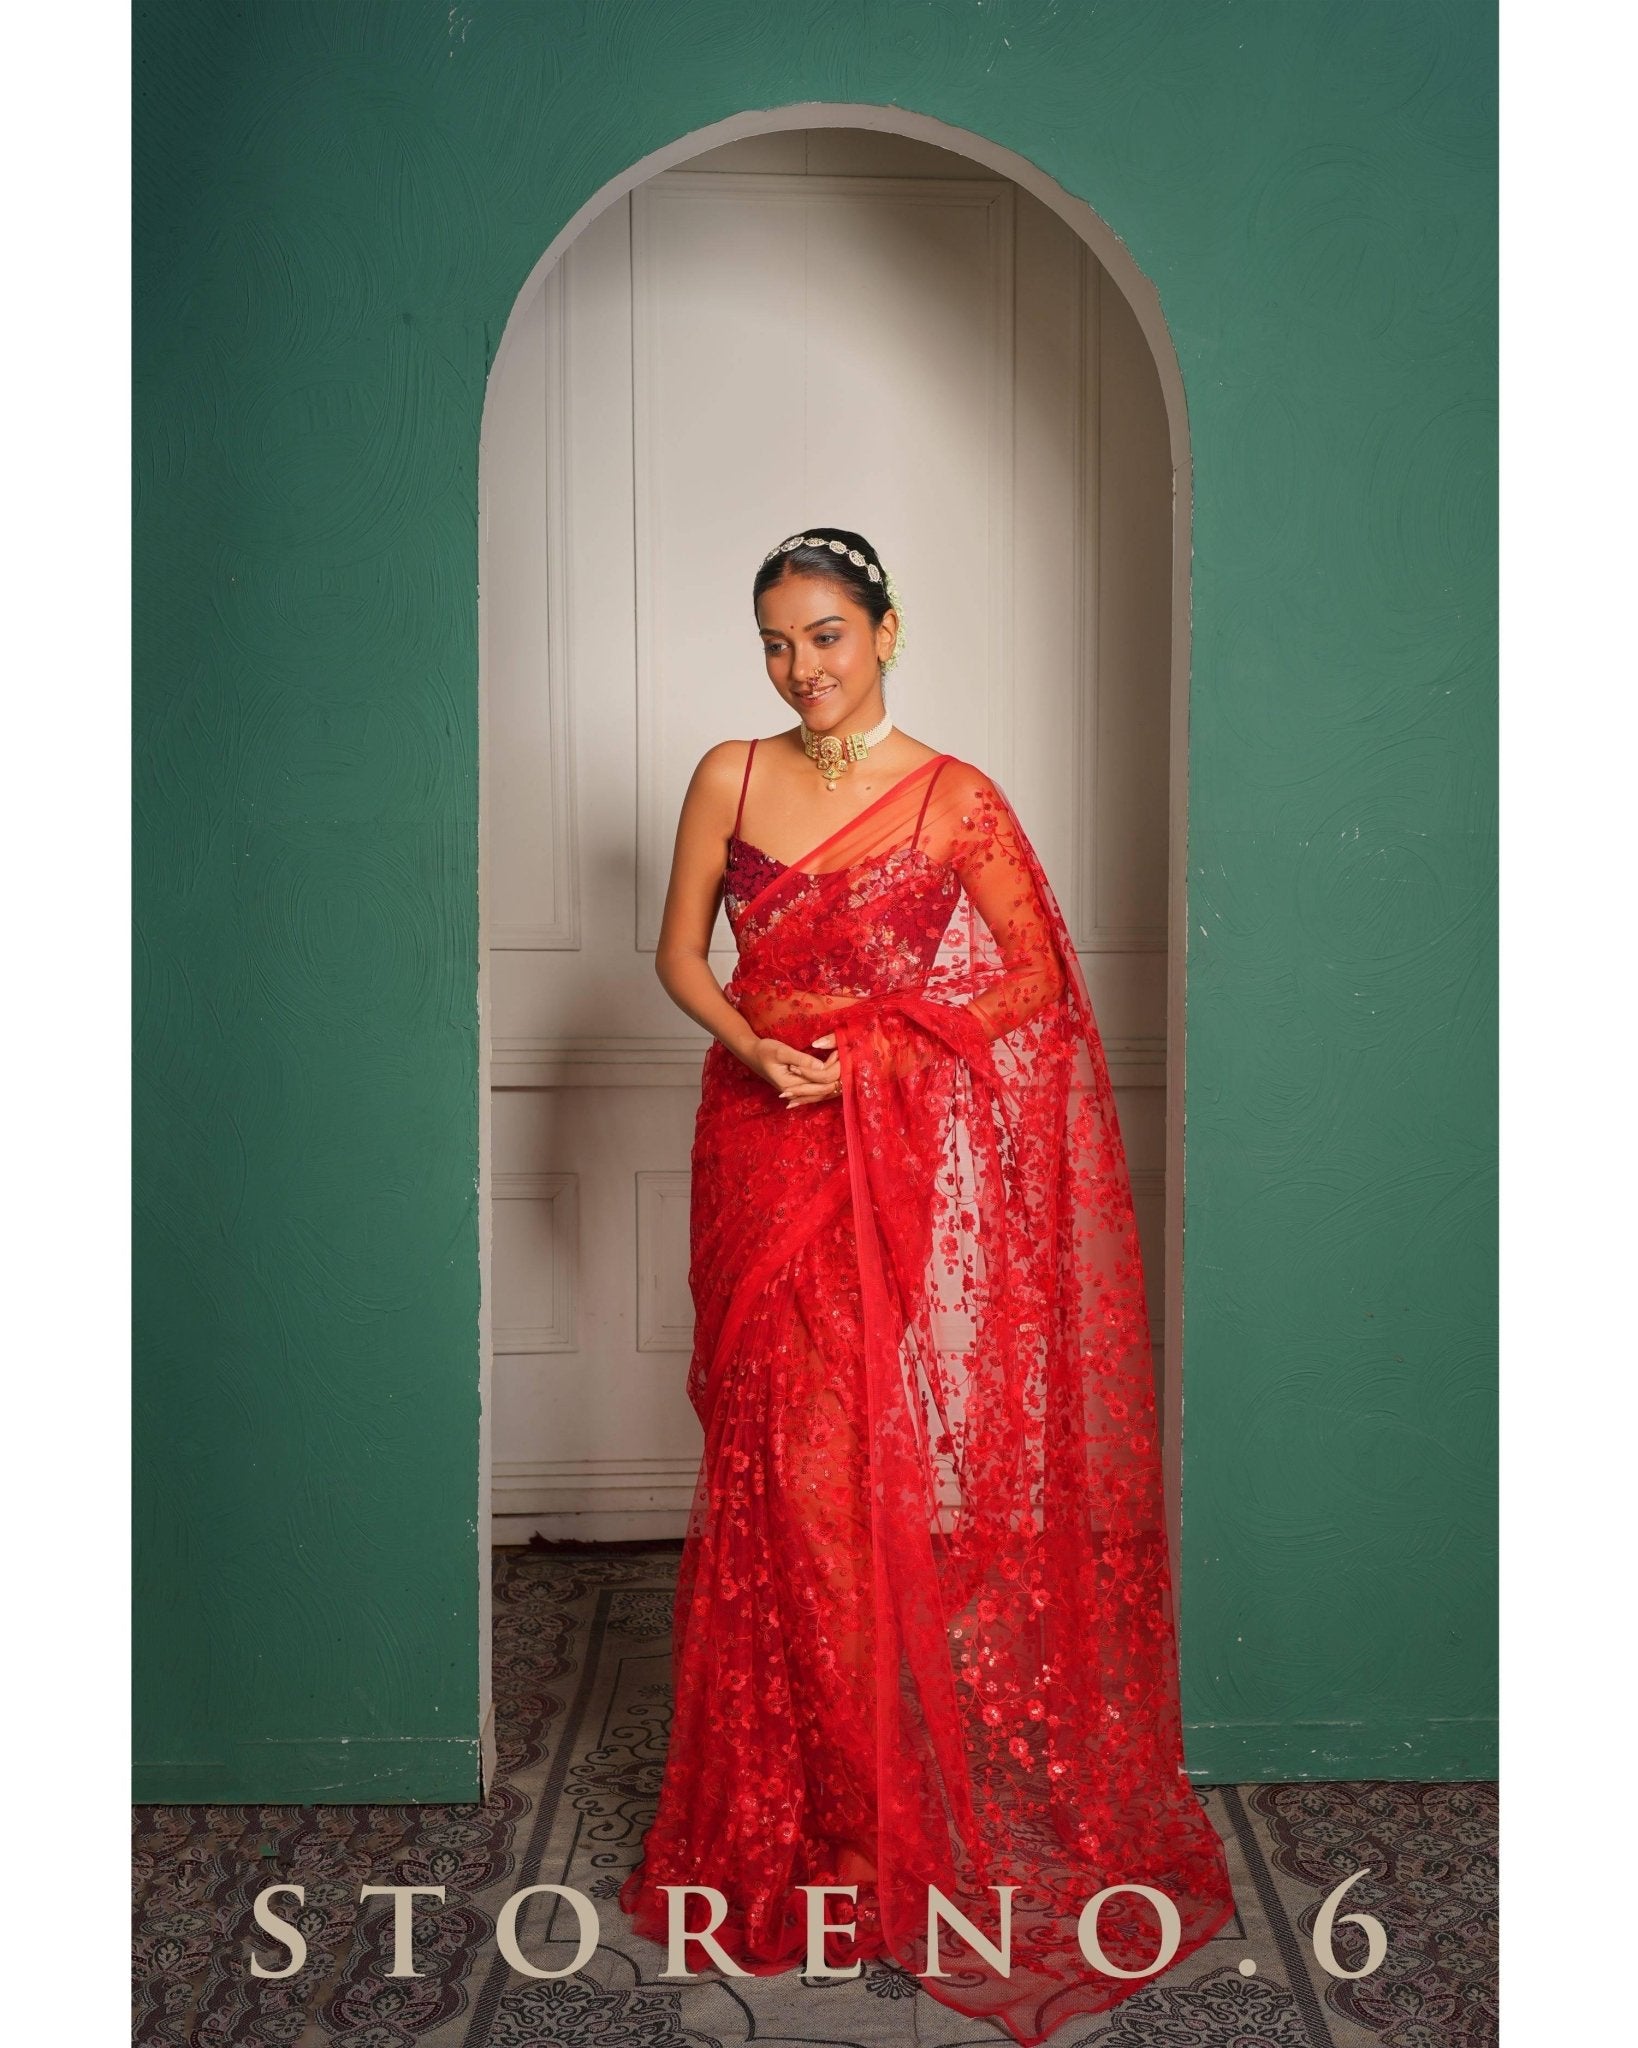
(924,1604)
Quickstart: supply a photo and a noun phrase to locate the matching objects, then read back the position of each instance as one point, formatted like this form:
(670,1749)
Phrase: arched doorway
(989,326)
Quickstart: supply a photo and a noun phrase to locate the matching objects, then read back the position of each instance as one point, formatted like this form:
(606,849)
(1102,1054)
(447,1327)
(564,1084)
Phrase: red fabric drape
(924,1608)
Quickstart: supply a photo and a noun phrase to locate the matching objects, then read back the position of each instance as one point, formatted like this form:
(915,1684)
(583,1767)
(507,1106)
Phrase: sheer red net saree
(924,1605)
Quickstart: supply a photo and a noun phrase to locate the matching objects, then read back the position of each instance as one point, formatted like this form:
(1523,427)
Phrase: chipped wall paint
(335,206)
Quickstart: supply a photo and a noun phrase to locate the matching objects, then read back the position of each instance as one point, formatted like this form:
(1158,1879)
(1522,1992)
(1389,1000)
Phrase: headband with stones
(872,569)
(837,547)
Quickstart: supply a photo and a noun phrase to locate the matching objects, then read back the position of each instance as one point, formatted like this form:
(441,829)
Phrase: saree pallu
(924,1607)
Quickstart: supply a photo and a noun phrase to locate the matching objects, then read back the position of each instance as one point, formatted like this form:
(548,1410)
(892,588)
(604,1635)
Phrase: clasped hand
(798,1076)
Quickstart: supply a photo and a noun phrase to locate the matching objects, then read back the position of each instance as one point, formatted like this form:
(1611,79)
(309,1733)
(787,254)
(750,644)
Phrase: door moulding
(1141,295)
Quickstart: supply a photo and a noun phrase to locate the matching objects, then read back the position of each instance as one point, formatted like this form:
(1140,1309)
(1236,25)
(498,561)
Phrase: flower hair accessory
(898,613)
(873,570)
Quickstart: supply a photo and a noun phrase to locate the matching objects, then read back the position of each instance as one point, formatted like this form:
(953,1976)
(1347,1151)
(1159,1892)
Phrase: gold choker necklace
(832,756)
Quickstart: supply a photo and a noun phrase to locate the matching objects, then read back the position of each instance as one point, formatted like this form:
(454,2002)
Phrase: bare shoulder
(717,776)
(723,761)
(920,753)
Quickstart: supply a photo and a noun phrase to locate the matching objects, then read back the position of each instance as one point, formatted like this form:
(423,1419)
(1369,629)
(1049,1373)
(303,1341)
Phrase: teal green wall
(335,207)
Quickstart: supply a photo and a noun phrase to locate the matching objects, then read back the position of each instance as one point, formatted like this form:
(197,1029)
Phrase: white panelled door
(831,328)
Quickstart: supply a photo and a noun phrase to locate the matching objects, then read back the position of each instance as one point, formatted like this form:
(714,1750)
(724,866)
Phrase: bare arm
(682,959)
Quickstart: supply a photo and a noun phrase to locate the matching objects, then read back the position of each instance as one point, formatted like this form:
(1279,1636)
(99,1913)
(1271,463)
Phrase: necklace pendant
(830,757)
(833,756)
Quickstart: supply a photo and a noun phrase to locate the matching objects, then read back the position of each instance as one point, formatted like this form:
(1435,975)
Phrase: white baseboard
(603,1525)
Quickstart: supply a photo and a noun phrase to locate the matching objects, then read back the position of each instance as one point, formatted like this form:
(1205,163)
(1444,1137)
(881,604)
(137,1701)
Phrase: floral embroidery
(923,1616)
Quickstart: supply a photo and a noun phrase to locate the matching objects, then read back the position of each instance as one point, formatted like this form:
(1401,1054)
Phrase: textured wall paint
(335,207)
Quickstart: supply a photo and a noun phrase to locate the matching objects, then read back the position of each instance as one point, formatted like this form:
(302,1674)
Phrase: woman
(923,1634)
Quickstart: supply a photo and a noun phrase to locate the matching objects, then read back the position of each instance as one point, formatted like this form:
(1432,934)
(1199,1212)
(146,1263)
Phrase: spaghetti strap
(750,756)
(926,797)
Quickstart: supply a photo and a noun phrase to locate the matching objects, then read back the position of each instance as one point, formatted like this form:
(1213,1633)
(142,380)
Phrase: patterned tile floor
(583,1706)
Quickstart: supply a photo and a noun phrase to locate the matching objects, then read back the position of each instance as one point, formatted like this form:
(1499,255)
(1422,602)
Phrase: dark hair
(814,556)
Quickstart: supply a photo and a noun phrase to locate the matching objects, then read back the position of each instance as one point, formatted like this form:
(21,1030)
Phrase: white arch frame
(1144,300)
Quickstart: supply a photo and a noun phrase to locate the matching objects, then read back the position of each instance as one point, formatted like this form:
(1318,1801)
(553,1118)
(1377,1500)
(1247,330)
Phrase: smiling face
(824,652)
